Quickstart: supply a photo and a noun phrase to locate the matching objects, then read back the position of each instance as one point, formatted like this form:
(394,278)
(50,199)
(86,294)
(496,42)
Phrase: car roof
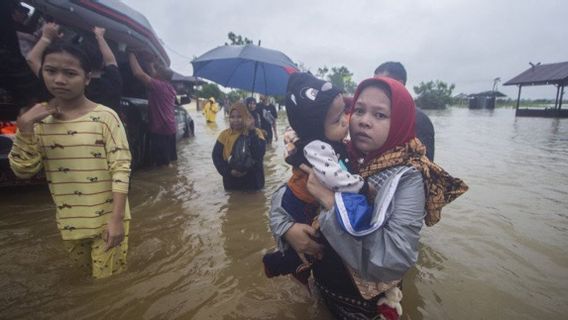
(122,23)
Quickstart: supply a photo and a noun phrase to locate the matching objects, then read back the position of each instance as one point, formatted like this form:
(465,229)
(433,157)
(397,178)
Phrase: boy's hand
(50,31)
(290,137)
(99,32)
(113,234)
(38,112)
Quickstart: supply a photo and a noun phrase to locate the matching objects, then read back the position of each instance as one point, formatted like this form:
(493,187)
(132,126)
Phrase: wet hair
(393,70)
(89,45)
(74,50)
(249,100)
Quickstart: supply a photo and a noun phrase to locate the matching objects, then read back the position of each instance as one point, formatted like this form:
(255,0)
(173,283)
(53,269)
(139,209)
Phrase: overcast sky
(468,43)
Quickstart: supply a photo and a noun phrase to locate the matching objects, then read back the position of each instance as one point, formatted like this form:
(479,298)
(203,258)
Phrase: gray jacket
(388,252)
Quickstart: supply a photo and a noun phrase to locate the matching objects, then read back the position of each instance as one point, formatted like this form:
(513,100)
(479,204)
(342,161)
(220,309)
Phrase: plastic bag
(241,157)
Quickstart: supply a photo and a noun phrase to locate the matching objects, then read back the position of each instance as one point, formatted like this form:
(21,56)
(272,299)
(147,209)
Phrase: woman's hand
(237,174)
(320,192)
(38,112)
(301,238)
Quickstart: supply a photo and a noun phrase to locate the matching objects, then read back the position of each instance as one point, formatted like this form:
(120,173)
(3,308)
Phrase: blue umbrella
(249,67)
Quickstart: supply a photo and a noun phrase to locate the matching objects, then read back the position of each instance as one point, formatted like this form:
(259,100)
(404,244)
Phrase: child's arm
(106,52)
(25,157)
(326,167)
(118,153)
(118,158)
(49,33)
(114,234)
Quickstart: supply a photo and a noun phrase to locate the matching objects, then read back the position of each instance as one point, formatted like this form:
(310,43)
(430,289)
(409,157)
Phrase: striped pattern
(85,161)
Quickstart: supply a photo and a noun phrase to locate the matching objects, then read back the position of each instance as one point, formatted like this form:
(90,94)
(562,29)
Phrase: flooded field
(500,251)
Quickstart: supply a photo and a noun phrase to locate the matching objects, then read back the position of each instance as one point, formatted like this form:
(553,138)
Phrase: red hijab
(403,118)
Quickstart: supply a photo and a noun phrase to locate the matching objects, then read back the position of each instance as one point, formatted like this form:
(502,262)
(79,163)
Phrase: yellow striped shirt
(85,161)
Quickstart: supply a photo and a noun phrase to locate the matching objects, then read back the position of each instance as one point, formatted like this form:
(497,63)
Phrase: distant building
(484,100)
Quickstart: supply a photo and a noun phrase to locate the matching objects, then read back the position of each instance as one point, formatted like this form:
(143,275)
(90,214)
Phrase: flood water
(499,252)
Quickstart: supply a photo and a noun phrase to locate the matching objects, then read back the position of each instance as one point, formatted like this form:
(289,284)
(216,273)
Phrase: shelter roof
(487,94)
(542,74)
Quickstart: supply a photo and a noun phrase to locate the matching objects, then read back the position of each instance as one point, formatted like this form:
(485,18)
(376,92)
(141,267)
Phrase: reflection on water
(500,251)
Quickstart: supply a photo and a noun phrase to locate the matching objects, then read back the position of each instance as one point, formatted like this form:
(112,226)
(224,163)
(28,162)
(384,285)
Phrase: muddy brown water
(500,251)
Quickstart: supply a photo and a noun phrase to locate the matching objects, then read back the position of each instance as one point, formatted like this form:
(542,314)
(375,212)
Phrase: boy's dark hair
(249,100)
(164,72)
(89,45)
(394,70)
(74,50)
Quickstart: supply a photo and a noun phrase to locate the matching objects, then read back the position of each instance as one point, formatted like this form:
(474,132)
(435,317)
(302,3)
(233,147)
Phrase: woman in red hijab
(355,269)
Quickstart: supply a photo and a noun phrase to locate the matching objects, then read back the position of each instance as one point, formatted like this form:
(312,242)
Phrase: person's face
(252,106)
(336,123)
(370,121)
(63,75)
(236,121)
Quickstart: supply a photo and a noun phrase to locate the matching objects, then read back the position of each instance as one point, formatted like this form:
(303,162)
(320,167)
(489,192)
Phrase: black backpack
(241,157)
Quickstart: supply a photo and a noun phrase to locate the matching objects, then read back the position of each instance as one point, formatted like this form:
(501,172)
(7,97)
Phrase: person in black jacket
(241,123)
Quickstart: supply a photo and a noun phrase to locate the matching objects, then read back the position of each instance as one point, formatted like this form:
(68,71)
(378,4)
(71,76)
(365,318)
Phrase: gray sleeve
(280,220)
(387,253)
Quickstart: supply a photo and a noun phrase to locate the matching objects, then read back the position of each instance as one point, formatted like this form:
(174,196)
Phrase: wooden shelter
(555,74)
(484,100)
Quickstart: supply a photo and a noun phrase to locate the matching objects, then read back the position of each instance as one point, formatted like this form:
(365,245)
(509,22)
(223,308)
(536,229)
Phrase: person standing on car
(106,83)
(161,109)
